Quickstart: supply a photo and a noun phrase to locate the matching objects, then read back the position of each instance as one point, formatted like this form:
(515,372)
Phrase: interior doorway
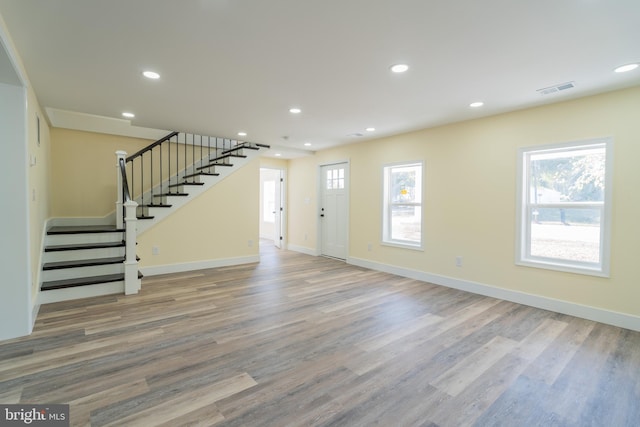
(272,206)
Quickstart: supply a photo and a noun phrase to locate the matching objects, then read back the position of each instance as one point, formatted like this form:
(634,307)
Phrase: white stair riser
(72,273)
(57,295)
(70,239)
(57,256)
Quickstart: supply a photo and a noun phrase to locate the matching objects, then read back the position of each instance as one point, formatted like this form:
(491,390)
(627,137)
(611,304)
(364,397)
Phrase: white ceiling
(239,65)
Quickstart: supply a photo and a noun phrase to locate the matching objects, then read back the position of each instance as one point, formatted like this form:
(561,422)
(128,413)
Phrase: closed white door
(334,209)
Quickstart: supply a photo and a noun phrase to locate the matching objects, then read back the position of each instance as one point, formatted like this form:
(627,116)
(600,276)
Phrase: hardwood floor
(306,341)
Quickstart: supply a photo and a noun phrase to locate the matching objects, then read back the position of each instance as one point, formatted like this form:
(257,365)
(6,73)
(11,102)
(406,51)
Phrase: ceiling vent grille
(557,88)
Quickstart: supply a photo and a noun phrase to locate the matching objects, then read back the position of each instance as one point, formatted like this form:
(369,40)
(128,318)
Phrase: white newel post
(119,197)
(131,280)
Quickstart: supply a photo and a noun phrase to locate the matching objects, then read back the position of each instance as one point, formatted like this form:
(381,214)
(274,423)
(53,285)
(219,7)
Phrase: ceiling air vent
(556,88)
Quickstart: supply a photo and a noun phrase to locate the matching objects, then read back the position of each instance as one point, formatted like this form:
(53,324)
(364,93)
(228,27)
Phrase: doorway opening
(272,207)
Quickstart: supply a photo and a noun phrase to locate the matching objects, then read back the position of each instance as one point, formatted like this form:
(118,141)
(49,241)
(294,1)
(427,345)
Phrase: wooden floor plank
(297,340)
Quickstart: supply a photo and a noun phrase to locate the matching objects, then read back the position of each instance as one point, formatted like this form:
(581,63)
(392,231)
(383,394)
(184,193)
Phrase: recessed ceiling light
(476,104)
(151,75)
(307,144)
(278,154)
(625,68)
(399,68)
(128,115)
(242,134)
(295,110)
(370,129)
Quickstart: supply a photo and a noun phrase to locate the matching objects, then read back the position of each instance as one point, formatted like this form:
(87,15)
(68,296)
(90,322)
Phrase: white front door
(334,181)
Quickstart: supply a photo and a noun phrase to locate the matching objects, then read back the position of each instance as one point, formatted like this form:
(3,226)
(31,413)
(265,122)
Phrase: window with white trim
(564,207)
(402,210)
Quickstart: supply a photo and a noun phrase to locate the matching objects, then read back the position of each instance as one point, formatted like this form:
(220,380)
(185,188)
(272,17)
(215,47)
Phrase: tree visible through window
(564,207)
(402,218)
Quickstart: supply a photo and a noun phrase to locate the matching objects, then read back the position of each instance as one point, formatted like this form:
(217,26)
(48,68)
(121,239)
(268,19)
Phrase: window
(402,212)
(335,179)
(564,207)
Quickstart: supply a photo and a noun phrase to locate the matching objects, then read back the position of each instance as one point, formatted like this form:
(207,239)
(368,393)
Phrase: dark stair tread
(215,164)
(80,246)
(186,183)
(82,263)
(240,147)
(228,155)
(262,145)
(157,205)
(201,174)
(171,194)
(83,281)
(145,217)
(83,229)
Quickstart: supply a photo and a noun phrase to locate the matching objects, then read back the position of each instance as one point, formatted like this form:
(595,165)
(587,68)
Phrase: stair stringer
(177,202)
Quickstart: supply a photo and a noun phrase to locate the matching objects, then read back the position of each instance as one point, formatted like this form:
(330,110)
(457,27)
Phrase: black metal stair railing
(177,161)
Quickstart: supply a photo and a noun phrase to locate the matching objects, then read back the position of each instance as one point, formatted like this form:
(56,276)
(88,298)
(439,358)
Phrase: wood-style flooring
(297,340)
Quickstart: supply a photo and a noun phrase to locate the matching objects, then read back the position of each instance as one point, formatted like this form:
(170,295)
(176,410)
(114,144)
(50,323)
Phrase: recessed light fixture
(151,75)
(399,68)
(370,129)
(307,144)
(242,134)
(278,154)
(625,68)
(128,115)
(476,104)
(295,110)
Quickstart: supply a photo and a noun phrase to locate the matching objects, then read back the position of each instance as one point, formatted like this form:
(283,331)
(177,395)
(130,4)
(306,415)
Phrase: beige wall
(83,171)
(470,198)
(222,223)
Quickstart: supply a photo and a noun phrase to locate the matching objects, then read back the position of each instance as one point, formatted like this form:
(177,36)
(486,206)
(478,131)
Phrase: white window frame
(524,204)
(387,205)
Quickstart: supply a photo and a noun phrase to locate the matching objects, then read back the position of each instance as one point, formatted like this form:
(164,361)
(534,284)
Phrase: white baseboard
(302,249)
(197,265)
(601,315)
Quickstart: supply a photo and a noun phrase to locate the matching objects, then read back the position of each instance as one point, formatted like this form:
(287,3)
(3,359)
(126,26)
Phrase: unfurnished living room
(319,213)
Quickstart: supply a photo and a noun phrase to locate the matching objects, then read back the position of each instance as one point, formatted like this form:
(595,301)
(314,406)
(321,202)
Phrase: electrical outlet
(306,236)
(458,261)
(155,250)
(369,247)
(250,243)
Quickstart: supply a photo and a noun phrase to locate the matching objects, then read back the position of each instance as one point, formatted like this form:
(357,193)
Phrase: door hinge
(280,237)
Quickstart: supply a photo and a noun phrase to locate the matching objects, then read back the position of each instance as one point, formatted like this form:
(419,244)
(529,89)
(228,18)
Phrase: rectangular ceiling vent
(557,88)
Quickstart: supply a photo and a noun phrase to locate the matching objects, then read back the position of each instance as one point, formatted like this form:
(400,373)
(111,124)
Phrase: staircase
(81,261)
(76,257)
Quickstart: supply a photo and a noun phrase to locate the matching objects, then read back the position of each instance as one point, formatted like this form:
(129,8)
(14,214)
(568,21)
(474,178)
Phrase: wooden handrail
(153,145)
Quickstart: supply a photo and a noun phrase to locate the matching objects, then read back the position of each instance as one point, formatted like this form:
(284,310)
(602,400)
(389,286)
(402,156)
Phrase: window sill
(566,268)
(404,246)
